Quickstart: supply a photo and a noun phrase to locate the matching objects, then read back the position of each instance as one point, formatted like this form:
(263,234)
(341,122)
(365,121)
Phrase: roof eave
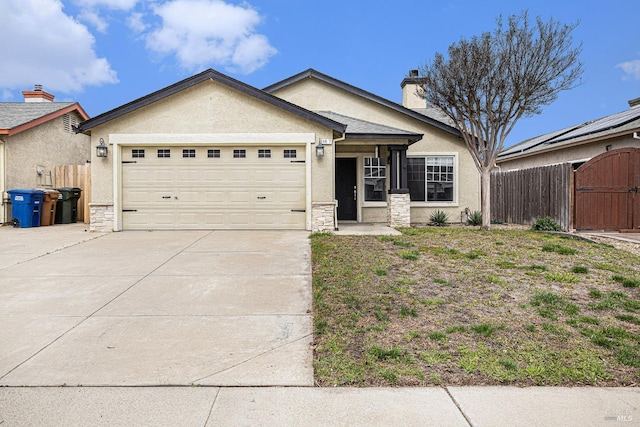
(561,145)
(43,119)
(363,93)
(385,136)
(209,74)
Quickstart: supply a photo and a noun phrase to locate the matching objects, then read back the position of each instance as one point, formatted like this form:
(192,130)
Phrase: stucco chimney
(409,86)
(634,103)
(37,95)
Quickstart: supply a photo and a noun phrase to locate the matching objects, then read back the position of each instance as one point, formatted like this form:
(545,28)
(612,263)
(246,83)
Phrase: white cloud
(202,33)
(50,48)
(94,19)
(136,23)
(631,69)
(110,4)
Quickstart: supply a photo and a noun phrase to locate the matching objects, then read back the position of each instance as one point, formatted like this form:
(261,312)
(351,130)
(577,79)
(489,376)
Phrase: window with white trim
(137,153)
(290,154)
(431,178)
(189,153)
(213,154)
(164,153)
(239,154)
(375,181)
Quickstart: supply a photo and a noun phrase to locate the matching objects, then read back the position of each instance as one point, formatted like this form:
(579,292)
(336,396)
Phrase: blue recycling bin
(25,207)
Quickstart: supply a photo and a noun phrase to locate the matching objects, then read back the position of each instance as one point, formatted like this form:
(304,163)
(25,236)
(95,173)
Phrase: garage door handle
(262,197)
(166,197)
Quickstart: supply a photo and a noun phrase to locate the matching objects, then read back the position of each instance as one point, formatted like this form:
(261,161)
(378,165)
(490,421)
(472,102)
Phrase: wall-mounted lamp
(320,149)
(101,149)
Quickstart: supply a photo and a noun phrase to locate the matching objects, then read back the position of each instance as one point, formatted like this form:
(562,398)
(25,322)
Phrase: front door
(346,189)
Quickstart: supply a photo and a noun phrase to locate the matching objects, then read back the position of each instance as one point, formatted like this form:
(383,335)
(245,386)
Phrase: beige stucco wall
(41,148)
(210,108)
(570,154)
(316,95)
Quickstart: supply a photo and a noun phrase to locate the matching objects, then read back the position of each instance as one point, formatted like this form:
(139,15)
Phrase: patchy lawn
(458,306)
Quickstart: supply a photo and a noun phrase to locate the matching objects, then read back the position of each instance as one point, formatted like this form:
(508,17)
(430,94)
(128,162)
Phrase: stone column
(399,209)
(323,216)
(100,217)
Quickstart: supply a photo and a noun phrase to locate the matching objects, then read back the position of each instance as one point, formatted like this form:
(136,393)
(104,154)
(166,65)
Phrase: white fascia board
(212,138)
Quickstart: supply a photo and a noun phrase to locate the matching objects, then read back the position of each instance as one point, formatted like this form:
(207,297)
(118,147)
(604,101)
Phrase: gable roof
(16,117)
(424,115)
(362,129)
(209,74)
(606,127)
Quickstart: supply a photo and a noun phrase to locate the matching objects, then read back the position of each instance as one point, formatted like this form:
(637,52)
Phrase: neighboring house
(213,152)
(591,173)
(35,136)
(576,144)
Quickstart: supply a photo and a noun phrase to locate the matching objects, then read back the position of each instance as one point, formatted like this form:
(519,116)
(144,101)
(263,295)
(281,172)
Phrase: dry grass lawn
(458,306)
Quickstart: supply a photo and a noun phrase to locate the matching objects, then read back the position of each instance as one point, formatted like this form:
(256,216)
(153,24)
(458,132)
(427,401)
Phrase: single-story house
(35,136)
(212,152)
(576,144)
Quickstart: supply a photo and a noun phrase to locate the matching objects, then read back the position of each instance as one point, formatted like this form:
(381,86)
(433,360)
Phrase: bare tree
(490,81)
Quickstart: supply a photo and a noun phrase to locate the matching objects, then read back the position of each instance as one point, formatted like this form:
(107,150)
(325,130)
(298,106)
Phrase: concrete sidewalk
(309,406)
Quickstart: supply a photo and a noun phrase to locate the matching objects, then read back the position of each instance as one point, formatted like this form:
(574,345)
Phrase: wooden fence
(519,197)
(76,176)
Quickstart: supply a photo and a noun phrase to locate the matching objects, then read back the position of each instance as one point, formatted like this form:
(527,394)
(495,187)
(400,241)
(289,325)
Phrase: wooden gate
(607,192)
(78,176)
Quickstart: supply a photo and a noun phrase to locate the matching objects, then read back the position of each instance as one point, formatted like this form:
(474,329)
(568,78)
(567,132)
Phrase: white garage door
(243,187)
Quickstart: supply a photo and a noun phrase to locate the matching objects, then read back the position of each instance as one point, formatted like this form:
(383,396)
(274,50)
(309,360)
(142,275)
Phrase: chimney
(634,103)
(37,95)
(409,87)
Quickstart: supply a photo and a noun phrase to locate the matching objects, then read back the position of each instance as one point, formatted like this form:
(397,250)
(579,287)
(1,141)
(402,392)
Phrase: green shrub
(546,224)
(475,218)
(438,218)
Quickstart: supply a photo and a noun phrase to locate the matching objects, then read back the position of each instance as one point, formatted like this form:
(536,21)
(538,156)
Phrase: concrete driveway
(154,308)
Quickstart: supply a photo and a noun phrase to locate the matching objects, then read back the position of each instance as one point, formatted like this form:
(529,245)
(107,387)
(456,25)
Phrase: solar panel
(602,124)
(530,143)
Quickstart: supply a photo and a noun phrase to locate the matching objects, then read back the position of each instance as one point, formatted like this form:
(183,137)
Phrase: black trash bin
(67,205)
(25,207)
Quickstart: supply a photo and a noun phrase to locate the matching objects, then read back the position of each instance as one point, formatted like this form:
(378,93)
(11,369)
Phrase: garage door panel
(223,192)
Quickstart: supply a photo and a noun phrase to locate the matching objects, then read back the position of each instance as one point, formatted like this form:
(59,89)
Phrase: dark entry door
(346,189)
(607,191)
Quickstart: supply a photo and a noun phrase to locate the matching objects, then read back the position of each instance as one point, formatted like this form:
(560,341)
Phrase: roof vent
(38,87)
(413,74)
(634,103)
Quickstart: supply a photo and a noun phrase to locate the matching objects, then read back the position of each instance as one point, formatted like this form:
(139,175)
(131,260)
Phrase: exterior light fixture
(320,149)
(101,149)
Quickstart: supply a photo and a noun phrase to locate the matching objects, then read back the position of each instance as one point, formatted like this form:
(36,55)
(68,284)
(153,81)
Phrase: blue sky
(104,53)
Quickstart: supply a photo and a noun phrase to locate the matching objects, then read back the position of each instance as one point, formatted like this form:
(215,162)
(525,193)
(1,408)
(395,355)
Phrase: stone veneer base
(323,216)
(399,210)
(100,217)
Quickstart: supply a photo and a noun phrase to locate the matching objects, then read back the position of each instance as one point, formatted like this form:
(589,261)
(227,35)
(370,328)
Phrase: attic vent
(69,121)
